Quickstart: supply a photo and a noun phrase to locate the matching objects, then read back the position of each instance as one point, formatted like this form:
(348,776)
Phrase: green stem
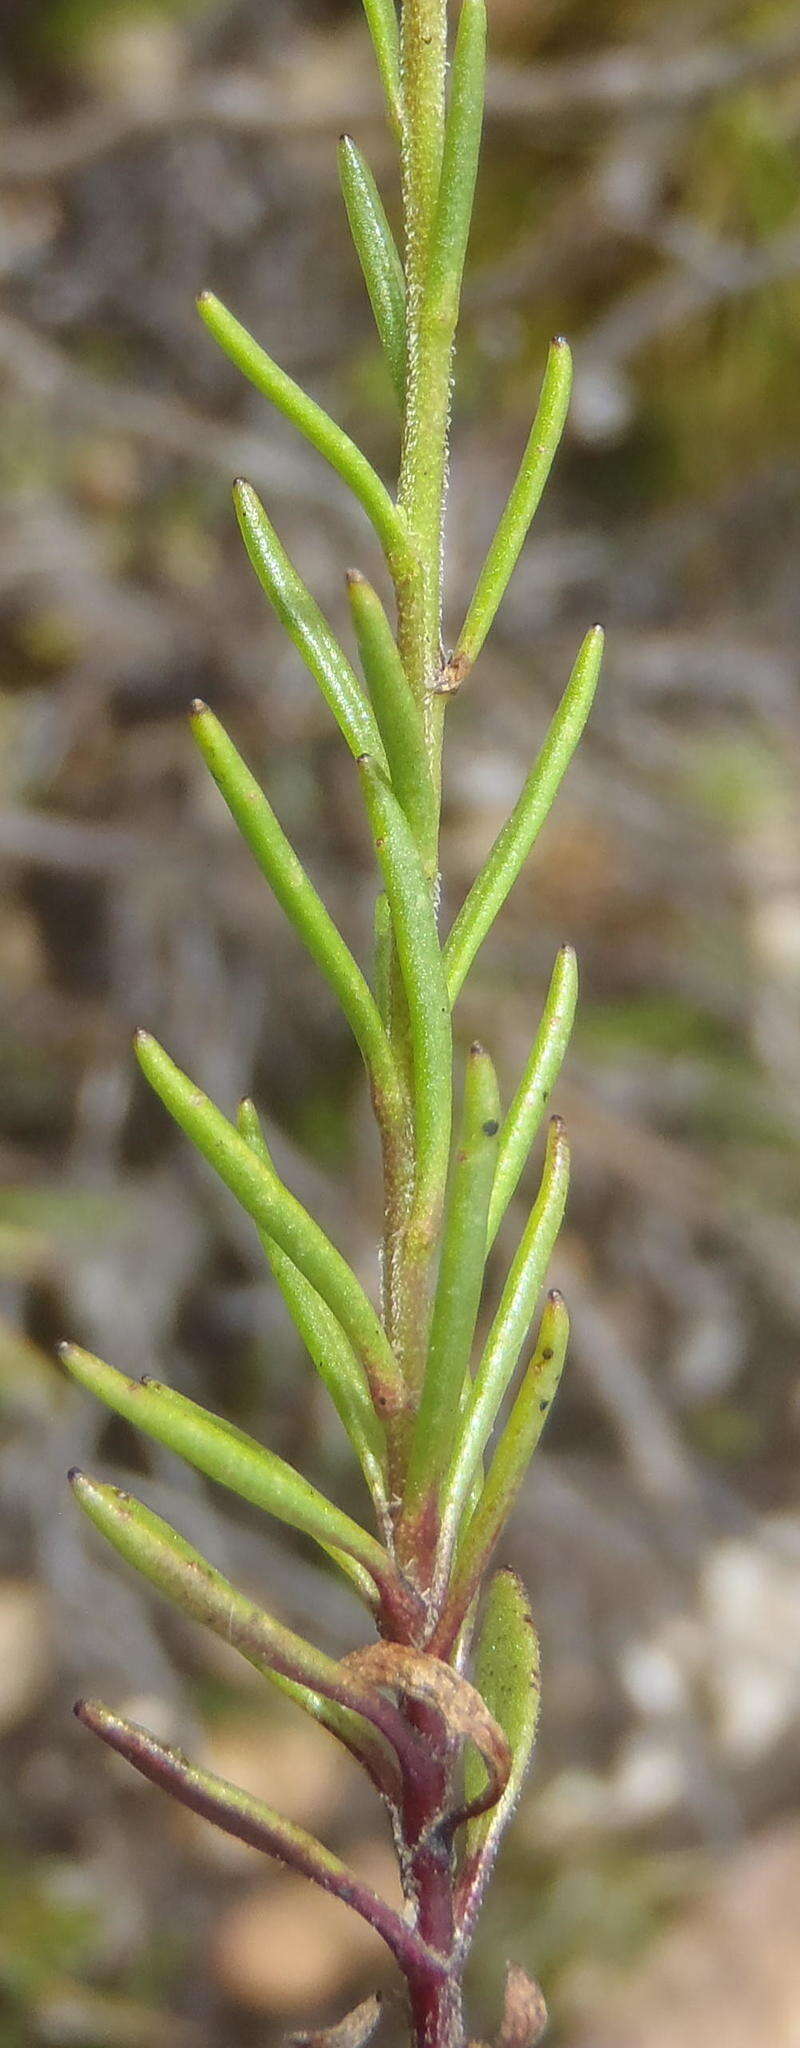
(441,167)
(423,63)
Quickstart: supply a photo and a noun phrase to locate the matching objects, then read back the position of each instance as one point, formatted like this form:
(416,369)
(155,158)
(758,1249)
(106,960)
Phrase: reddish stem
(435,1994)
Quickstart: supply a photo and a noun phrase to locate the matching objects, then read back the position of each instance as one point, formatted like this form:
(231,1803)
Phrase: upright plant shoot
(441,1710)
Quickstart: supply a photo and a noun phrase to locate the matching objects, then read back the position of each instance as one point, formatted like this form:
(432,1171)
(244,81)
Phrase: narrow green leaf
(462,141)
(537,461)
(230,1457)
(419,954)
(514,1452)
(278,1212)
(514,841)
(384,28)
(311,421)
(305,625)
(383,955)
(508,1677)
(460,1282)
(239,1814)
(379,257)
(326,1343)
(398,715)
(510,1327)
(184,1576)
(298,898)
(520,1126)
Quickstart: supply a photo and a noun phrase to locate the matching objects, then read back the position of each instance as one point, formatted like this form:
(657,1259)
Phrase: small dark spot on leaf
(543,1406)
(491,1128)
(548,1351)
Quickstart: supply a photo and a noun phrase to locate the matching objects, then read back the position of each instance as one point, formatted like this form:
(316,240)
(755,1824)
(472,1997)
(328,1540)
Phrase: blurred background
(641,192)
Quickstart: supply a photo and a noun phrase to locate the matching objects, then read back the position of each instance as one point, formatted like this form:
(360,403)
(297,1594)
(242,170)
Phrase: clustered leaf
(419,1387)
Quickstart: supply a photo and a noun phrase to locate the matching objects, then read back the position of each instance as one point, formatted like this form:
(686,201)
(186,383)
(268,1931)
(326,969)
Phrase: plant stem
(423,60)
(409,1238)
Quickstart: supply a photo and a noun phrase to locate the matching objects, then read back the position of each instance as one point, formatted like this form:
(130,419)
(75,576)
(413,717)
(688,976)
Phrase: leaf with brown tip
(354,2031)
(525,2013)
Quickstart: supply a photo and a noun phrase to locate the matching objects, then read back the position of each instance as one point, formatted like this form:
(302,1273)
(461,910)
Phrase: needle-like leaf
(513,1454)
(305,625)
(545,434)
(508,1677)
(378,255)
(183,1575)
(278,1212)
(239,1814)
(509,1329)
(398,715)
(230,1457)
(325,1341)
(311,421)
(514,841)
(298,898)
(462,141)
(458,1290)
(417,940)
(384,28)
(520,1125)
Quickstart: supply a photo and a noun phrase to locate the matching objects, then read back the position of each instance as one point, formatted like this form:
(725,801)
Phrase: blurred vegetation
(645,198)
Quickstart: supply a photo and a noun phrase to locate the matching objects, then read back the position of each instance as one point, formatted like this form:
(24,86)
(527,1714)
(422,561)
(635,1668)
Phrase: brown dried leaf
(354,2031)
(525,2013)
(465,1715)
